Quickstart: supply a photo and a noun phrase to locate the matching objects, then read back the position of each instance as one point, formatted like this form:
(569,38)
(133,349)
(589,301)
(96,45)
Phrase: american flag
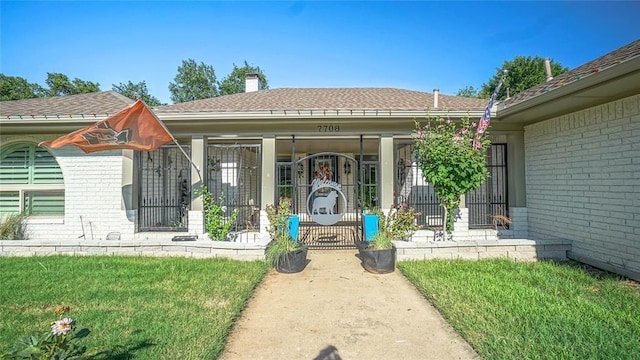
(486,117)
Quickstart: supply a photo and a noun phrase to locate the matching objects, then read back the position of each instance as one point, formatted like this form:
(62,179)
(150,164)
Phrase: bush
(215,223)
(398,225)
(13,227)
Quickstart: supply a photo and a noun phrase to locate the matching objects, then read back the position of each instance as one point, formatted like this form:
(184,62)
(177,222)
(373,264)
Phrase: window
(31,181)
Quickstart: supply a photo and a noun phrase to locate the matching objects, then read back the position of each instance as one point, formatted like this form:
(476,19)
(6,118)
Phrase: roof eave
(315,114)
(629,67)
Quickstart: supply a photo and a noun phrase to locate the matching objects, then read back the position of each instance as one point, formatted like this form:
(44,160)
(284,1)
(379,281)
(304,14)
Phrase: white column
(386,172)
(196,219)
(268,171)
(197,156)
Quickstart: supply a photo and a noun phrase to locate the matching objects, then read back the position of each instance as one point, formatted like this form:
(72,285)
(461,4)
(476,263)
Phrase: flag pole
(486,116)
(179,147)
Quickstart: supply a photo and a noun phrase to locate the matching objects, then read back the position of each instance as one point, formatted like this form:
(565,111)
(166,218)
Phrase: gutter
(253,115)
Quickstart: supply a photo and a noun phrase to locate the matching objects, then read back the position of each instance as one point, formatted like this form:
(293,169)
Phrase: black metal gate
(411,188)
(232,175)
(164,194)
(489,202)
(327,198)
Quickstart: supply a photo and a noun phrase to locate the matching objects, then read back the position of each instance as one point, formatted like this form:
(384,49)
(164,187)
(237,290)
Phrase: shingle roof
(613,58)
(324,99)
(100,103)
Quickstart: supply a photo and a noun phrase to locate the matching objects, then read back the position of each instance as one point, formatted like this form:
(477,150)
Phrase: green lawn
(544,310)
(135,307)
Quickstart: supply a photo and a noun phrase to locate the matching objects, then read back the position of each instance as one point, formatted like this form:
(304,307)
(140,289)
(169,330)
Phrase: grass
(135,307)
(544,310)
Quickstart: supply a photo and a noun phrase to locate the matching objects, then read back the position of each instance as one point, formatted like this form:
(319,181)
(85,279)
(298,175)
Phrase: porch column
(197,156)
(129,192)
(386,172)
(516,170)
(268,171)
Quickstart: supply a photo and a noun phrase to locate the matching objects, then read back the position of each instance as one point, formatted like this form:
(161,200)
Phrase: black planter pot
(377,261)
(292,262)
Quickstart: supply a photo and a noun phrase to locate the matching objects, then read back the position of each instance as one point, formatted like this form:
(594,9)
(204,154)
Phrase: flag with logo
(135,127)
(483,124)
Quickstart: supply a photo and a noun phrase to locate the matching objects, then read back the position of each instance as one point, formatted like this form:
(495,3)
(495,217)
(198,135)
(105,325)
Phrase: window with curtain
(31,181)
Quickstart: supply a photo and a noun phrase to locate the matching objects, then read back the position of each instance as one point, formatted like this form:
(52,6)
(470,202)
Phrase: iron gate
(165,189)
(326,196)
(411,188)
(490,201)
(232,176)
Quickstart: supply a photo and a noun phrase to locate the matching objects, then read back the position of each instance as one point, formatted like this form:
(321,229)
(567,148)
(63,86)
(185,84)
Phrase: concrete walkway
(335,310)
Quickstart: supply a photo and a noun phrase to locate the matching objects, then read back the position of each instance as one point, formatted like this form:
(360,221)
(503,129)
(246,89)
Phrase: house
(582,164)
(337,152)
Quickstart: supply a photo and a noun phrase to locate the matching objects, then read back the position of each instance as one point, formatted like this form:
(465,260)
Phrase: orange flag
(135,127)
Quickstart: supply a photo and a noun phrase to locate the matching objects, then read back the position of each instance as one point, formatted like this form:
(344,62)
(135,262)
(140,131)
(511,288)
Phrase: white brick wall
(583,182)
(93,190)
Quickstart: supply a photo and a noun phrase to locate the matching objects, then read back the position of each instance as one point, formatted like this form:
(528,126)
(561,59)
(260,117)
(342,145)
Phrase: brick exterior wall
(583,183)
(93,191)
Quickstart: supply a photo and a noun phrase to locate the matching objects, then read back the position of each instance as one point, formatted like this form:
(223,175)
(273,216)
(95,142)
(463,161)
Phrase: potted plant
(379,255)
(284,252)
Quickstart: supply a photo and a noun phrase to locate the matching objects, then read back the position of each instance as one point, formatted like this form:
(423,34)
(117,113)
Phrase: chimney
(436,92)
(252,83)
(547,68)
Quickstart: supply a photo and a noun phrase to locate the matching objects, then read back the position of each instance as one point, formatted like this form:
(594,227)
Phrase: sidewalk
(335,310)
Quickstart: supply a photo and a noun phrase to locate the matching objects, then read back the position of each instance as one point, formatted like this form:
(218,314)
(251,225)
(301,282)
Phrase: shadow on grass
(126,352)
(594,272)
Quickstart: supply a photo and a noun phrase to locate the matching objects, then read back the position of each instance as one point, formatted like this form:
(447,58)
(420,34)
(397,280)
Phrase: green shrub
(216,224)
(13,227)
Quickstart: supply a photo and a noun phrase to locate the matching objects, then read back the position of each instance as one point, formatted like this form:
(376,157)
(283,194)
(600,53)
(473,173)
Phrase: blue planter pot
(294,226)
(370,226)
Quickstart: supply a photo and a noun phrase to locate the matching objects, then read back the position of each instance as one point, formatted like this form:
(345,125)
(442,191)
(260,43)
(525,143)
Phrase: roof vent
(436,92)
(547,68)
(252,83)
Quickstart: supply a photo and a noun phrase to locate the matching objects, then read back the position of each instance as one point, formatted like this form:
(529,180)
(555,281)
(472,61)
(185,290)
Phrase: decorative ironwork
(164,190)
(489,204)
(411,188)
(328,197)
(233,171)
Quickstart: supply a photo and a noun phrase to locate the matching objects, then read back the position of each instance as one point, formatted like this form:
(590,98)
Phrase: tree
(60,85)
(16,88)
(524,72)
(448,159)
(193,82)
(468,91)
(235,82)
(137,91)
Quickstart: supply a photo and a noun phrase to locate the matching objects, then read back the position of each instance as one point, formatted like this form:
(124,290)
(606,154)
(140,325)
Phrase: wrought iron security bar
(164,189)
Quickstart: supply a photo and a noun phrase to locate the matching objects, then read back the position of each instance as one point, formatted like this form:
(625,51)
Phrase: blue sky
(416,45)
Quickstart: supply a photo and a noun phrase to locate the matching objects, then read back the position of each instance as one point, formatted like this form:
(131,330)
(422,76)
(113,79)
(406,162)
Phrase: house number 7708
(328,128)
